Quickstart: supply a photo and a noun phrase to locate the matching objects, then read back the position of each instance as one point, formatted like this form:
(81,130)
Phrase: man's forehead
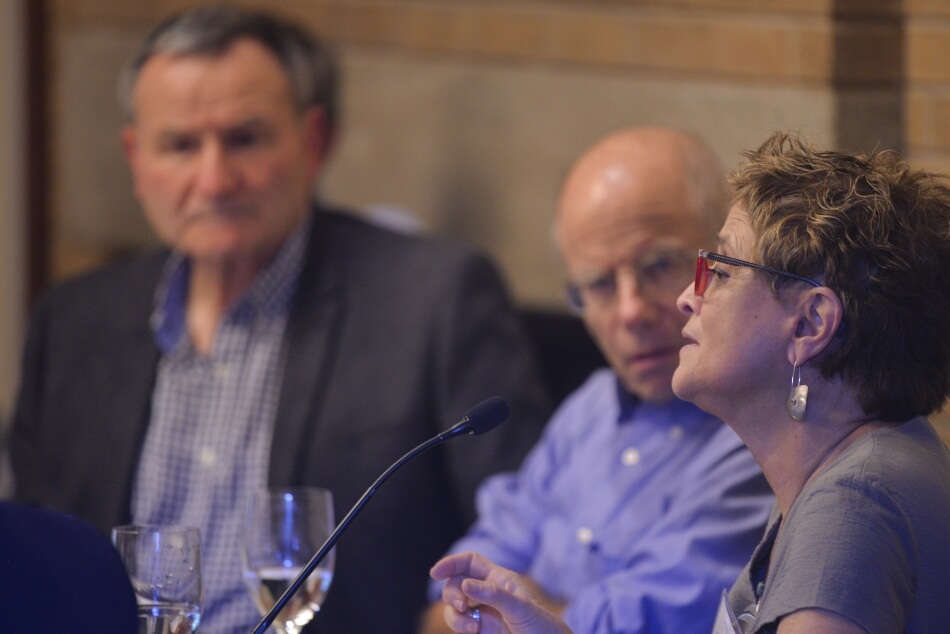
(610,244)
(623,222)
(246,68)
(199,97)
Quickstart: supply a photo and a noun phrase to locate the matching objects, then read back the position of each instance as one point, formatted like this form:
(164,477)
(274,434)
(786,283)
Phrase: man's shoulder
(131,281)
(595,402)
(422,264)
(600,386)
(360,232)
(137,267)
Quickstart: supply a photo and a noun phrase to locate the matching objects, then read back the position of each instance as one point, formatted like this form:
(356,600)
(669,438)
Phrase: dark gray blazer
(390,339)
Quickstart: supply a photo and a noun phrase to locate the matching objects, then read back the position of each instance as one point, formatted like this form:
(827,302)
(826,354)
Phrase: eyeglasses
(704,270)
(657,273)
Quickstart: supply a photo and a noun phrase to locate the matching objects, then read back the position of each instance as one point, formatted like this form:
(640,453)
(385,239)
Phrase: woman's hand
(502,601)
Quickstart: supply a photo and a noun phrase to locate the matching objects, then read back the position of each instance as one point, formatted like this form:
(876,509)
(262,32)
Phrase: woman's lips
(652,357)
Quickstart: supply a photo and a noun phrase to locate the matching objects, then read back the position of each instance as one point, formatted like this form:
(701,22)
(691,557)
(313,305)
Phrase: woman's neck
(800,453)
(792,452)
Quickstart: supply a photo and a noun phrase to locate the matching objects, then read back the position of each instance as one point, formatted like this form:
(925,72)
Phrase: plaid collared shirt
(209,436)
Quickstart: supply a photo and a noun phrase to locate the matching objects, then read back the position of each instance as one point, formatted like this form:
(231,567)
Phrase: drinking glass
(284,527)
(164,565)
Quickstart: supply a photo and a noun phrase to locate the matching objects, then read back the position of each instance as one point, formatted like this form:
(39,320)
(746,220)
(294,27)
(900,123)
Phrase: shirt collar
(270,293)
(676,412)
(627,402)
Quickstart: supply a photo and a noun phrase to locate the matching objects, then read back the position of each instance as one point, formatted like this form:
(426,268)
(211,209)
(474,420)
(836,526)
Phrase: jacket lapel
(309,350)
(131,412)
(125,416)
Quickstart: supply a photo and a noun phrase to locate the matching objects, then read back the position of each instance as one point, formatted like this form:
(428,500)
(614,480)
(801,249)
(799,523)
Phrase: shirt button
(222,370)
(630,456)
(207,457)
(584,536)
(676,432)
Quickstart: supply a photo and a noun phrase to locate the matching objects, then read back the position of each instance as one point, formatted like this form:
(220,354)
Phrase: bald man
(635,510)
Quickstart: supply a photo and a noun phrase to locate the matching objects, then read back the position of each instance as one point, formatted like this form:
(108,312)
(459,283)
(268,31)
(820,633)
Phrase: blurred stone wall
(465,114)
(12,220)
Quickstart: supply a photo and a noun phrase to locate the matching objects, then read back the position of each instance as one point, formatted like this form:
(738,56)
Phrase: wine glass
(284,527)
(164,565)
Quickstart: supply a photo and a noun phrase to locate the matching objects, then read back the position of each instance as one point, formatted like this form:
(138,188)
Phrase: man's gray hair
(211,31)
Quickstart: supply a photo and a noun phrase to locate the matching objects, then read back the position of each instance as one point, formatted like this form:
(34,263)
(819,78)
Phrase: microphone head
(487,415)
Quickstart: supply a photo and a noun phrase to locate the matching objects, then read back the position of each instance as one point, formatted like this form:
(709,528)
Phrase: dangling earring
(797,396)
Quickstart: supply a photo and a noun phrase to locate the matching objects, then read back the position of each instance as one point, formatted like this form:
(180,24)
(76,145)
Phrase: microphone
(478,420)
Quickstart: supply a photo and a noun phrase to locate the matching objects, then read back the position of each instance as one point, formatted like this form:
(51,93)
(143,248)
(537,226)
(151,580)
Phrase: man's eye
(663,267)
(242,139)
(657,267)
(181,145)
(603,285)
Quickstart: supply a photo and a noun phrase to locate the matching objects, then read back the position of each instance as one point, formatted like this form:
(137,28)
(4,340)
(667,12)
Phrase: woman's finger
(466,564)
(477,620)
(453,596)
(511,607)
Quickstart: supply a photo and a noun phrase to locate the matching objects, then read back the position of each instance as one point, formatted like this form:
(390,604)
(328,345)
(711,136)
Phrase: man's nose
(217,174)
(635,301)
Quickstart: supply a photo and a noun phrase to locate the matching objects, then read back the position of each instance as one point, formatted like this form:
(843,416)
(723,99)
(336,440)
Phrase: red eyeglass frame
(704,270)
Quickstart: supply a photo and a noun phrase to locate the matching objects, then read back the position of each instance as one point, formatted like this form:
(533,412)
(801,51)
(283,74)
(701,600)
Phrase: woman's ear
(820,314)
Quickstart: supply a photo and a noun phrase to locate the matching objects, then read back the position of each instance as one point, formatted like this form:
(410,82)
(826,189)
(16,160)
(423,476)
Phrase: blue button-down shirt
(208,441)
(638,516)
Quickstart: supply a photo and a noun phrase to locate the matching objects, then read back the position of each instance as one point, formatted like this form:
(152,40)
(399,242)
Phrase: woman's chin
(681,383)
